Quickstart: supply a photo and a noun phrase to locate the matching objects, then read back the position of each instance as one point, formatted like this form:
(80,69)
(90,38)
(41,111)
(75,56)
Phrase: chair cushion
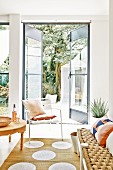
(34,107)
(103,133)
(44,118)
(109,143)
(98,123)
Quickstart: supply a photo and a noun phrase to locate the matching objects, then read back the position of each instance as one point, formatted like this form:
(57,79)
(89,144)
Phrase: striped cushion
(99,123)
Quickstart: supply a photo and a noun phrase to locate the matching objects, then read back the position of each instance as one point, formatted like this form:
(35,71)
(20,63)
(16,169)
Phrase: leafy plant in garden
(4,67)
(99,108)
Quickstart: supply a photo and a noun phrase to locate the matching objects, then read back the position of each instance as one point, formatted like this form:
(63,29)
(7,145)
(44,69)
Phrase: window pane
(79,61)
(4,68)
(79,75)
(33,56)
(34,64)
(33,88)
(81,91)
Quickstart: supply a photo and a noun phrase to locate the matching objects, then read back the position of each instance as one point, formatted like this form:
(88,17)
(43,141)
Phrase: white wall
(54,7)
(99,54)
(99,76)
(15,63)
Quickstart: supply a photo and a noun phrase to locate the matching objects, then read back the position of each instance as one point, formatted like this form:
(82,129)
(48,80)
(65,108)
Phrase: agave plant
(99,108)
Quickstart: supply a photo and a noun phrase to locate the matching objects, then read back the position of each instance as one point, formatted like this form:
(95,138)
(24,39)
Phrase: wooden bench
(92,156)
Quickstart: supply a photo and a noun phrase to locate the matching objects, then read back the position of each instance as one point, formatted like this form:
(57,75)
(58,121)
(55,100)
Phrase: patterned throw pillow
(98,123)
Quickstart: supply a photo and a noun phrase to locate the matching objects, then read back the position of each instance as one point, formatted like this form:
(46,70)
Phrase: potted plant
(99,108)
(52,93)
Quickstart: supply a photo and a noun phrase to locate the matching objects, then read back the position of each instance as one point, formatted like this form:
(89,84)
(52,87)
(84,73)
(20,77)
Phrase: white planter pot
(74,139)
(52,98)
(93,120)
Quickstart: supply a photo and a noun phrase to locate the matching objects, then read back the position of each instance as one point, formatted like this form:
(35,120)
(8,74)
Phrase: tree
(56,52)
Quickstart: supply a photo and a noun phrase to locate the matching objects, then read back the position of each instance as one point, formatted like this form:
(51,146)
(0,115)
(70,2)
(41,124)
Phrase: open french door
(79,86)
(32,63)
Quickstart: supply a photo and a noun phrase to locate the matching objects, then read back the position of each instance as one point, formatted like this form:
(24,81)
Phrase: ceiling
(54,7)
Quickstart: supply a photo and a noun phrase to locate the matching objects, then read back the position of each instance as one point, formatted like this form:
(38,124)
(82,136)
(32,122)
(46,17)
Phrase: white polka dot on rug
(22,166)
(61,145)
(62,166)
(33,144)
(44,155)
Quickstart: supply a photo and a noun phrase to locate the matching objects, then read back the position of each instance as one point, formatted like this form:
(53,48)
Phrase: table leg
(9,138)
(21,142)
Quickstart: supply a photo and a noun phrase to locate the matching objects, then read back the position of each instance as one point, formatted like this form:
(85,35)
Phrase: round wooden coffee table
(12,128)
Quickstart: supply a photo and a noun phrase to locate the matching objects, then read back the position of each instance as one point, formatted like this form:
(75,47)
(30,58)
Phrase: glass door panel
(33,62)
(79,87)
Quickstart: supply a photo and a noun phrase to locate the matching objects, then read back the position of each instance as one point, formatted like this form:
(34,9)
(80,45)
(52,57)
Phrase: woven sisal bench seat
(92,156)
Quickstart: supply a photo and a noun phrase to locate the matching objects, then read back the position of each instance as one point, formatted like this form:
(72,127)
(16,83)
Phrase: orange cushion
(44,118)
(103,133)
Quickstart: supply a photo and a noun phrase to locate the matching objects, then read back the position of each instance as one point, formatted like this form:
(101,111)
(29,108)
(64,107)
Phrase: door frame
(56,22)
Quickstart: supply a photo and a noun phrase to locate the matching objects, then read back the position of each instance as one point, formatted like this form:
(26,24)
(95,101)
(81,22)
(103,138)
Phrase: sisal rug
(65,155)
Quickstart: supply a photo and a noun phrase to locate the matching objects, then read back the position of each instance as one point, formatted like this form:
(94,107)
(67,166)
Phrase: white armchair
(40,111)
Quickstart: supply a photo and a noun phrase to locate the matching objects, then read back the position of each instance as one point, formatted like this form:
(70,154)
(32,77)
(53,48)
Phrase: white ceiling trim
(61,18)
(56,18)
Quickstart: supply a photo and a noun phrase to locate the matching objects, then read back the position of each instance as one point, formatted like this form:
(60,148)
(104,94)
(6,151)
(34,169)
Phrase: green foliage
(99,108)
(50,77)
(3,27)
(52,89)
(5,66)
(49,88)
(56,49)
(56,39)
(4,79)
(52,64)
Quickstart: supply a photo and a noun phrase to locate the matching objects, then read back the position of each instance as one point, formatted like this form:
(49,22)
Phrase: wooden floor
(66,155)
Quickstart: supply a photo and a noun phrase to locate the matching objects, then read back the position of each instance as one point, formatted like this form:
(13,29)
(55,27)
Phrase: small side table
(12,128)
